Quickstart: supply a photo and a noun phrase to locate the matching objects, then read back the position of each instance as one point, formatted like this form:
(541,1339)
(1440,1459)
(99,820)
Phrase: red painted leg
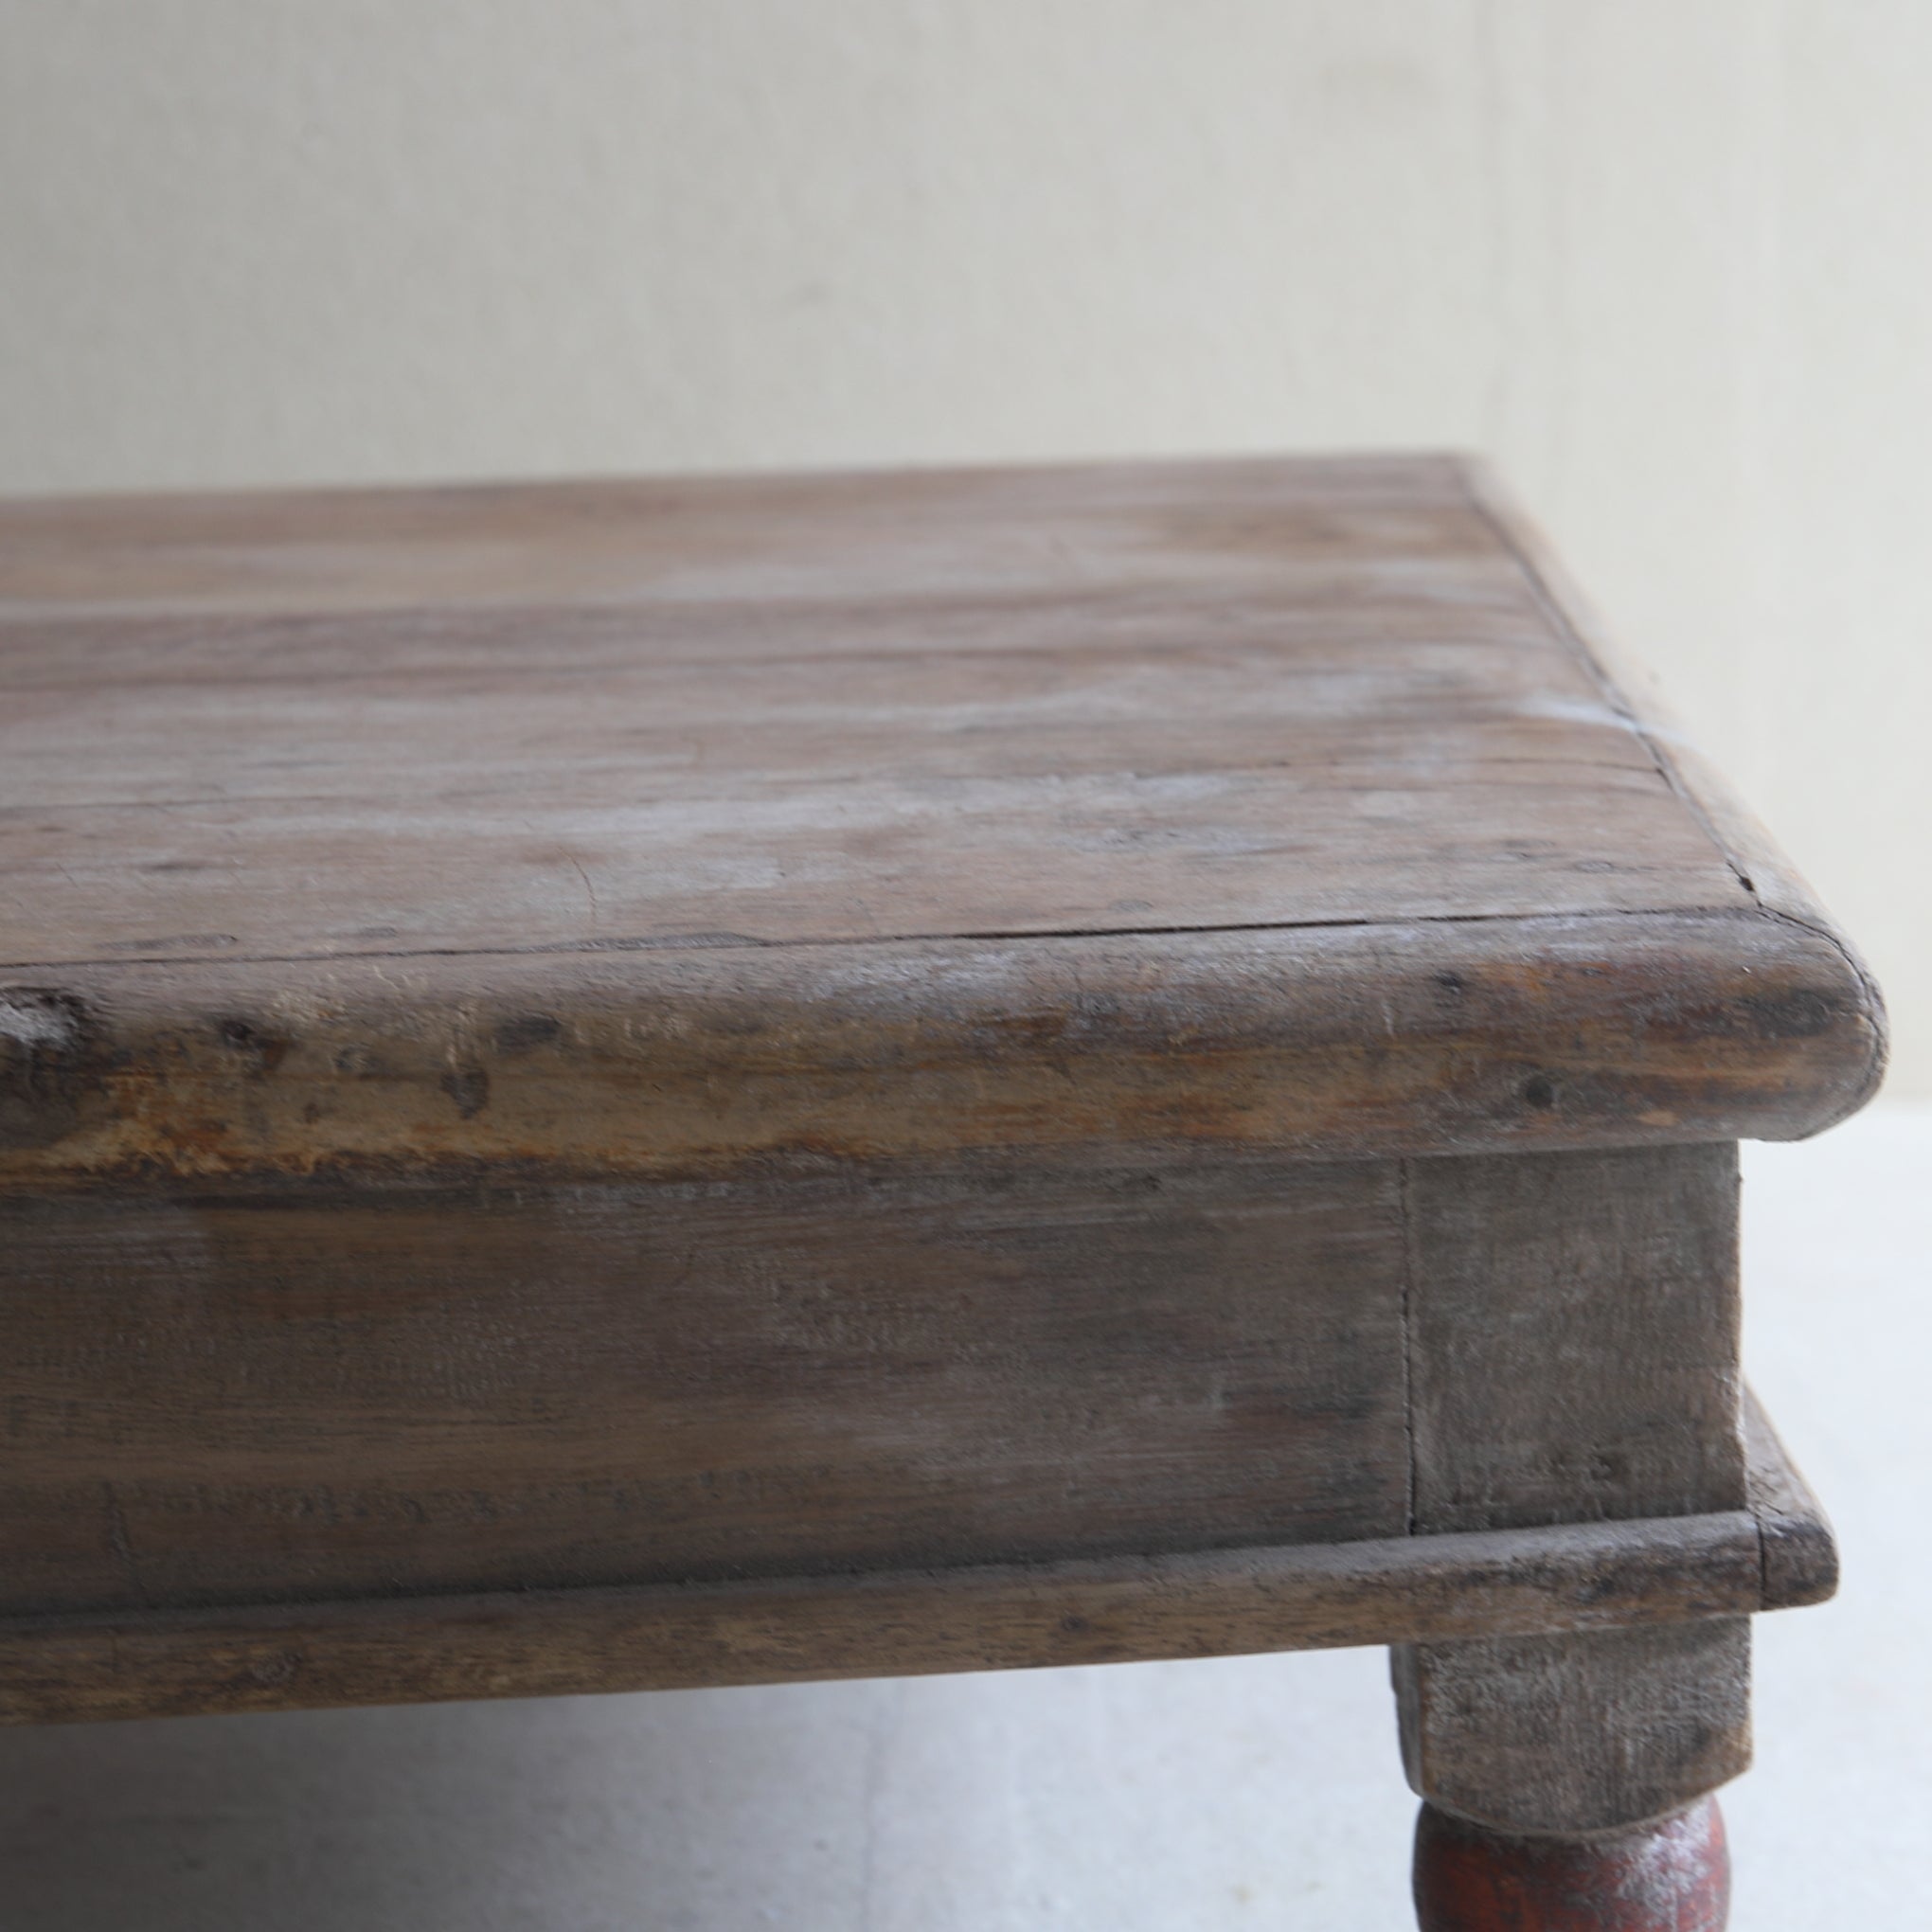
(1669,1876)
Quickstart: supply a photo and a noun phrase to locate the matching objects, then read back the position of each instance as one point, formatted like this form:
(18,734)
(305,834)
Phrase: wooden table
(619,1085)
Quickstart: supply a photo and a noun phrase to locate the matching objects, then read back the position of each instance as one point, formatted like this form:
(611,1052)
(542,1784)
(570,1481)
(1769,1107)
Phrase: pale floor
(1163,1797)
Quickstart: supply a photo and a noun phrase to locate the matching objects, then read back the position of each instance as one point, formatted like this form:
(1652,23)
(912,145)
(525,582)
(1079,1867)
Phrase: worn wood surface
(618,1040)
(651,826)
(248,1397)
(1632,684)
(1585,1731)
(251,1394)
(688,1064)
(1799,1554)
(1573,1326)
(1573,1336)
(1586,1576)
(1669,1876)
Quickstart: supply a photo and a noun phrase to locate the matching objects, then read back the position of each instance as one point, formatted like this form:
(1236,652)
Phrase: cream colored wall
(1668,261)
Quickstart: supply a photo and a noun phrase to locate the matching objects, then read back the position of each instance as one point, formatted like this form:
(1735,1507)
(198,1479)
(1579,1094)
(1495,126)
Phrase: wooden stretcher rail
(1776,1554)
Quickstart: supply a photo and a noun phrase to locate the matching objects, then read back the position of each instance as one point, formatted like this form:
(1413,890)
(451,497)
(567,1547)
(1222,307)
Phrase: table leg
(1671,1876)
(1565,1779)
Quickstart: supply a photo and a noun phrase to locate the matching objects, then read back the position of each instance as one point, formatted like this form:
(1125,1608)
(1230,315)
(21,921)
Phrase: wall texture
(1668,262)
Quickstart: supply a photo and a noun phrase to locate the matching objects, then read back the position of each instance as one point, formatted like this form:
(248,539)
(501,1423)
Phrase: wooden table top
(656,825)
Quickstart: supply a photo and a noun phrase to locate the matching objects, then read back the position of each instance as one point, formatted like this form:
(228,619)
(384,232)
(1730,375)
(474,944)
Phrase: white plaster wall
(1668,261)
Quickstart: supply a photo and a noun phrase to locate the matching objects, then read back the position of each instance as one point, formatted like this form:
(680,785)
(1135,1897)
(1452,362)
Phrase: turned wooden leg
(1566,1781)
(1672,1876)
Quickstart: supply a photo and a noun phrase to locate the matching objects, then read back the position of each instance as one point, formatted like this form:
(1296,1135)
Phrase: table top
(658,825)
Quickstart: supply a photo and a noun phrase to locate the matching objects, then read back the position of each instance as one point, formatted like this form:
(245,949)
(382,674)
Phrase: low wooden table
(697,1083)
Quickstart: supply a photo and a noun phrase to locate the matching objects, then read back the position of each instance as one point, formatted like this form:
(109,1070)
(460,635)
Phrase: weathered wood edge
(1399,475)
(1324,1042)
(1508,1732)
(1395,1590)
(1747,1020)
(681,1637)
(1800,1553)
(1780,891)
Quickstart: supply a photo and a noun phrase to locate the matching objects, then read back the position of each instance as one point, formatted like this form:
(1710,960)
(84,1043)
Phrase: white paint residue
(1582,711)
(32,1023)
(1572,711)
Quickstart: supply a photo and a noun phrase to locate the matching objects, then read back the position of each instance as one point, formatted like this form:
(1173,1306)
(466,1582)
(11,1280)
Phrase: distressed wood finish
(1801,1554)
(378,829)
(691,1063)
(241,1398)
(1589,1576)
(1573,1337)
(257,1395)
(1577,1733)
(697,1082)
(1574,1329)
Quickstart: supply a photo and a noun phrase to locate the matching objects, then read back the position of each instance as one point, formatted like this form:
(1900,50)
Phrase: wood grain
(1760,866)
(640,1082)
(248,1394)
(1585,1732)
(1574,1335)
(687,1062)
(1801,1554)
(1589,1576)
(249,1397)
(984,766)
(984,536)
